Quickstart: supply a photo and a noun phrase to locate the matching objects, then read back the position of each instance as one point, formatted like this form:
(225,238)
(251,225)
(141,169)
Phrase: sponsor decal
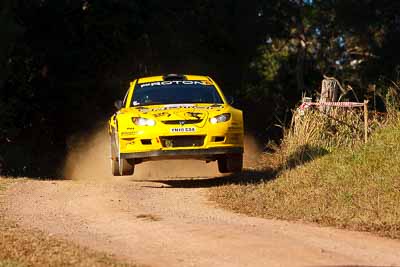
(166,83)
(179,106)
(174,106)
(183,130)
(162,114)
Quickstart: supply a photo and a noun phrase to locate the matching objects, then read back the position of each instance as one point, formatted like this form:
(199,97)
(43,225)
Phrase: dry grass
(338,127)
(314,133)
(4,183)
(8,263)
(355,186)
(20,247)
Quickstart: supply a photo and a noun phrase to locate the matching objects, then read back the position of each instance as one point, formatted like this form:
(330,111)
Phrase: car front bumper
(200,153)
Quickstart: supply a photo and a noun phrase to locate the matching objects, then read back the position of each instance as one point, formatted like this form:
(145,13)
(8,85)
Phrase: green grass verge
(356,189)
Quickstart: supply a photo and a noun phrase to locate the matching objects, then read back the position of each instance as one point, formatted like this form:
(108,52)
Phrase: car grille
(182,141)
(182,122)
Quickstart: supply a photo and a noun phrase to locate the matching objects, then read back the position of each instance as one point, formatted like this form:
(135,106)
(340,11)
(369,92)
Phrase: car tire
(125,167)
(119,166)
(230,163)
(114,157)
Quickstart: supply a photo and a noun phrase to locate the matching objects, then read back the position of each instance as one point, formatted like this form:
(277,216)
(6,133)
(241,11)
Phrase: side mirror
(230,100)
(118,104)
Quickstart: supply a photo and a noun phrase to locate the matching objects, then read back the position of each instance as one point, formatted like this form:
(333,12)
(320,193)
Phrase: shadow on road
(88,171)
(301,156)
(245,177)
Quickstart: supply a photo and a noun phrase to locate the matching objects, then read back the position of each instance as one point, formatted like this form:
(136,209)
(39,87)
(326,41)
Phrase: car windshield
(175,92)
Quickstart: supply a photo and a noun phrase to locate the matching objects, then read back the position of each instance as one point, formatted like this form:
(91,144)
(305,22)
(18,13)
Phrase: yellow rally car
(175,117)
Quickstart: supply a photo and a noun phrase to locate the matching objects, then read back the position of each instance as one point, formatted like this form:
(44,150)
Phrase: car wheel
(125,167)
(119,166)
(230,163)
(114,157)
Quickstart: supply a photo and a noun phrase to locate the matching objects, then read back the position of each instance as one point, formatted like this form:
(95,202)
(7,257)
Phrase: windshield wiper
(149,104)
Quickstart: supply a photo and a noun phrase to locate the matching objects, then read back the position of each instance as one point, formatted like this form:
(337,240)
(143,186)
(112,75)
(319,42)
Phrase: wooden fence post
(365,121)
(329,91)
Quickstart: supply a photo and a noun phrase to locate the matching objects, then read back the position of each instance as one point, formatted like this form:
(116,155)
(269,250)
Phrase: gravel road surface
(170,222)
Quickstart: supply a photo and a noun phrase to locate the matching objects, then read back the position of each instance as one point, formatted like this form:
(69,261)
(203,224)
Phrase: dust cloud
(89,159)
(252,151)
(88,156)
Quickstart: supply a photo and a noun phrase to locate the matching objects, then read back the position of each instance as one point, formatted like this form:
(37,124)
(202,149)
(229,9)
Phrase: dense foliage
(62,63)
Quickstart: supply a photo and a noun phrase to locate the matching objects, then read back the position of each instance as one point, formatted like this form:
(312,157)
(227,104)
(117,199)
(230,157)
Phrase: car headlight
(143,121)
(220,118)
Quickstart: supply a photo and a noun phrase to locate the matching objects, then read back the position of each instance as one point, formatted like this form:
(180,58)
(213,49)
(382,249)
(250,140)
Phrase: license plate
(183,130)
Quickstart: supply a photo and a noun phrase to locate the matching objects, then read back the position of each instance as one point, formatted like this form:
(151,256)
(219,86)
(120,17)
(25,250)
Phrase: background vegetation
(63,63)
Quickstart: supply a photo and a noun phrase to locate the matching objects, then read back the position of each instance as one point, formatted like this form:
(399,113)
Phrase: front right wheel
(230,163)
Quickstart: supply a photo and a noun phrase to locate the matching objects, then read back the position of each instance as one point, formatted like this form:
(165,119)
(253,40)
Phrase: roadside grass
(353,186)
(8,263)
(4,183)
(20,247)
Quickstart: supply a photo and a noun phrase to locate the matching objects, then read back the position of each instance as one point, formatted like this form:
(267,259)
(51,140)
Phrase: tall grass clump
(338,127)
(392,102)
(314,133)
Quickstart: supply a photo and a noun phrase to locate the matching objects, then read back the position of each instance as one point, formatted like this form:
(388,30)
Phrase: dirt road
(170,223)
(157,220)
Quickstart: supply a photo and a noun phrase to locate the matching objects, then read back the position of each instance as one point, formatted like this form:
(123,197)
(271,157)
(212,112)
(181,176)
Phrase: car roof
(162,78)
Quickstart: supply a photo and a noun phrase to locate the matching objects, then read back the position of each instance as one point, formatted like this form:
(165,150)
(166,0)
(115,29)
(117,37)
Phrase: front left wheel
(119,166)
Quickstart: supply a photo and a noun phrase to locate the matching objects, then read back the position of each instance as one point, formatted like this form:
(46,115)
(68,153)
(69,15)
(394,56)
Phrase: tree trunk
(329,92)
(301,54)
